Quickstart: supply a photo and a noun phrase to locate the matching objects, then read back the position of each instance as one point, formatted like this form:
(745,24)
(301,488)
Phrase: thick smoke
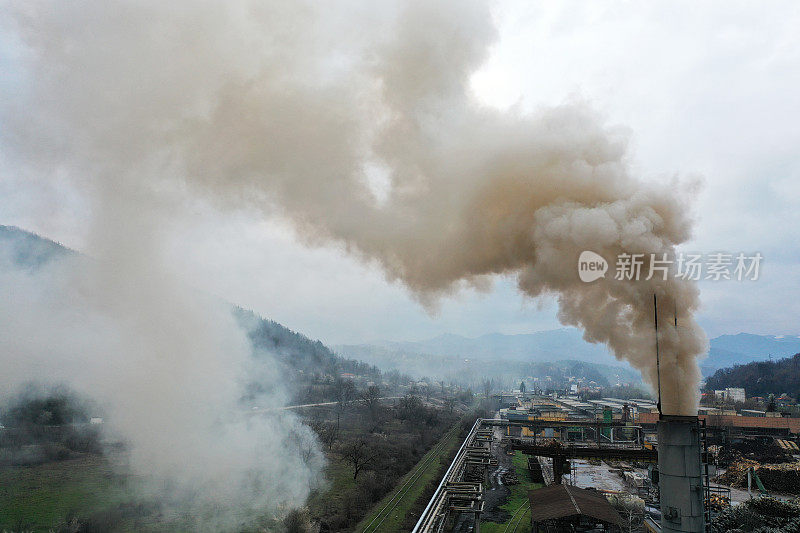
(357,123)
(167,366)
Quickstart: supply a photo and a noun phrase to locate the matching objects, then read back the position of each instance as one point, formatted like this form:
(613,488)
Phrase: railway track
(416,473)
(518,516)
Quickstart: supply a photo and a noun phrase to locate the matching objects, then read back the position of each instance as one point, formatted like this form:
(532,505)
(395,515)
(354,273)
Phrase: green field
(339,482)
(55,496)
(47,497)
(37,498)
(428,467)
(93,492)
(517,499)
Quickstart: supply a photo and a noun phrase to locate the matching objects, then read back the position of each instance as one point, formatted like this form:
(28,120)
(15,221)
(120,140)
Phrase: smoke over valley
(355,123)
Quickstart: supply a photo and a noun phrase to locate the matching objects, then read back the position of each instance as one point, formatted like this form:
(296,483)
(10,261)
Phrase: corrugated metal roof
(792,424)
(561,501)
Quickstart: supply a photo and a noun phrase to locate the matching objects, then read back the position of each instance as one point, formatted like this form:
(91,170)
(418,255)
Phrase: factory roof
(562,501)
(790,424)
(641,400)
(607,403)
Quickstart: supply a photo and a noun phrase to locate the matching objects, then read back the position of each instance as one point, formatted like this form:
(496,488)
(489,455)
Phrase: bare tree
(450,404)
(358,454)
(410,407)
(487,388)
(329,434)
(372,398)
(345,392)
(394,378)
(305,442)
(316,423)
(348,391)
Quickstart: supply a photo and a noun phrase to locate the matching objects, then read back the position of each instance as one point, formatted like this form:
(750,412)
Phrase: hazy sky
(711,90)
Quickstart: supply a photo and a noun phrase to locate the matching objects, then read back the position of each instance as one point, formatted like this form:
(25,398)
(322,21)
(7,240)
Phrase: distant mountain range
(27,250)
(565,344)
(472,371)
(743,348)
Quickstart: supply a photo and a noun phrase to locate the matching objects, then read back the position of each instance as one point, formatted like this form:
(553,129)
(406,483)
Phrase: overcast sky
(709,90)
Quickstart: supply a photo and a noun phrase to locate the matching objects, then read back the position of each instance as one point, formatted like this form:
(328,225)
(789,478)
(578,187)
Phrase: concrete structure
(733,394)
(680,481)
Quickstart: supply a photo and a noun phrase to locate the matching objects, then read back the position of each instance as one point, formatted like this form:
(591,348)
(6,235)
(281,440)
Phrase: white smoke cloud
(168,365)
(295,109)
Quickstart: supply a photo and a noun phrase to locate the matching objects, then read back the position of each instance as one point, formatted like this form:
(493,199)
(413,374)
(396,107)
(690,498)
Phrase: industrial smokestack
(679,479)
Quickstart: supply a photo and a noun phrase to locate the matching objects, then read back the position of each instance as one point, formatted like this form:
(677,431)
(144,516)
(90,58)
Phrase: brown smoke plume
(357,123)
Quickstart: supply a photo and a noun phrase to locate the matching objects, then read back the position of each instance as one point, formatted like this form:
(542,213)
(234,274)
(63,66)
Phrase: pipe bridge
(461,488)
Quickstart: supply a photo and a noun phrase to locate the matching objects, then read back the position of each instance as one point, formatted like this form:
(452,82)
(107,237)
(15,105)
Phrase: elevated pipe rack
(461,488)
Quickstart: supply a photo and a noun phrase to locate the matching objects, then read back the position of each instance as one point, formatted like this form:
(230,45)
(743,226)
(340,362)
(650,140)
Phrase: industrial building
(668,472)
(566,508)
(731,394)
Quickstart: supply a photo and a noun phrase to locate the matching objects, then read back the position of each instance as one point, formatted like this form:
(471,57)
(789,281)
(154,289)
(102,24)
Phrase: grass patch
(339,477)
(37,498)
(411,493)
(517,498)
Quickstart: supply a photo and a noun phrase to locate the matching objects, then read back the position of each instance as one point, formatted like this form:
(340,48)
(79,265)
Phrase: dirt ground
(496,493)
(598,476)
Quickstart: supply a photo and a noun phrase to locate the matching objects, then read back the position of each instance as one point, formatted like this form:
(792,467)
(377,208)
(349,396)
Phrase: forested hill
(25,250)
(297,350)
(761,378)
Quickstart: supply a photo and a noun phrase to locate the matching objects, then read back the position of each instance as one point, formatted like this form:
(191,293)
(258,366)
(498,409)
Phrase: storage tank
(680,481)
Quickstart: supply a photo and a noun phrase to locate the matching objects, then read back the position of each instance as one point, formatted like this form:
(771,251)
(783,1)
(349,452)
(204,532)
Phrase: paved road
(321,404)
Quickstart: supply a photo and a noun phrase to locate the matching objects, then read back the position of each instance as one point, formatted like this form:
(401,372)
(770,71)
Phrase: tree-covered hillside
(23,249)
(298,350)
(761,378)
